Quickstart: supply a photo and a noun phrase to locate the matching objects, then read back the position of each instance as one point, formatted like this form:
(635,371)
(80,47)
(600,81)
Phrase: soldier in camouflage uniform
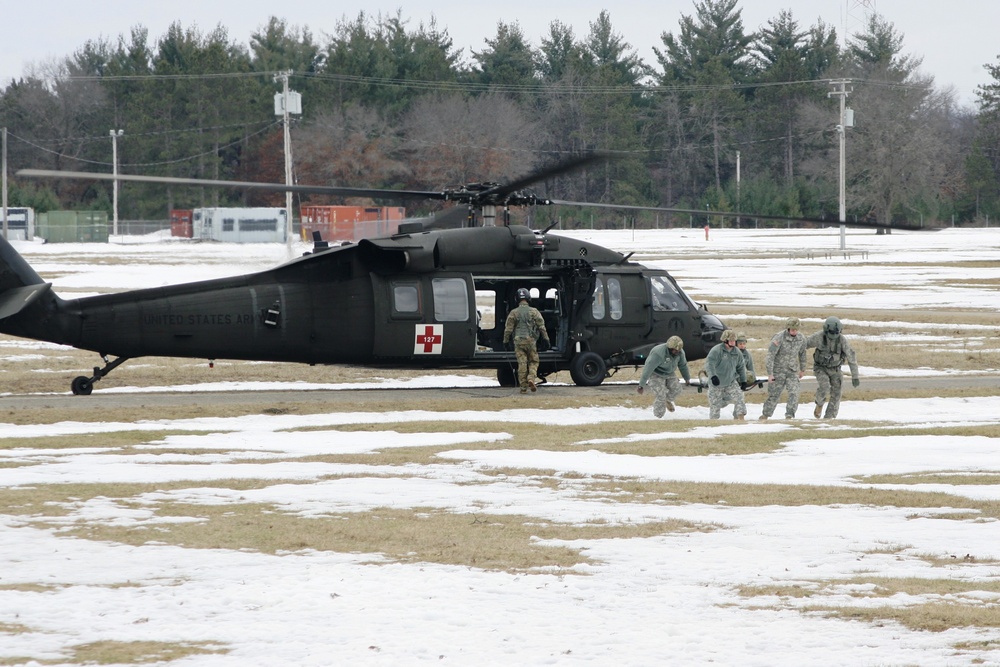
(832,350)
(786,363)
(660,372)
(741,343)
(525,324)
(727,372)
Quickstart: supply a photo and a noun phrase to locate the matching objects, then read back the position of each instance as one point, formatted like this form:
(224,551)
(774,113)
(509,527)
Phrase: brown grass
(513,542)
(487,541)
(963,606)
(109,652)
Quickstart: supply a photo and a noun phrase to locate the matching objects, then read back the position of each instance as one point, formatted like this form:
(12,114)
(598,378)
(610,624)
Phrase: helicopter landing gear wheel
(506,376)
(82,386)
(588,369)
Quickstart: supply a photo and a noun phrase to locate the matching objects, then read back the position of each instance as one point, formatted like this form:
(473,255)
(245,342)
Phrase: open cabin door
(424,317)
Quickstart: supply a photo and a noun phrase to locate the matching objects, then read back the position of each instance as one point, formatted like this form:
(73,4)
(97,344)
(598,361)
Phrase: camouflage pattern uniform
(786,361)
(830,354)
(747,358)
(728,366)
(525,324)
(660,373)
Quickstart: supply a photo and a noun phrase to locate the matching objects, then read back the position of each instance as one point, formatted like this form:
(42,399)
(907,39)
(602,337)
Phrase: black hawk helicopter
(411,300)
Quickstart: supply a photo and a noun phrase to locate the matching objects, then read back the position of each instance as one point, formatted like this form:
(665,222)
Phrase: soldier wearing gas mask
(830,353)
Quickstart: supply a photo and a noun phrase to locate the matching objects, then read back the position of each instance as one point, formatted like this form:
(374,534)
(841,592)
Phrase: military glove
(744,385)
(715,380)
(855,382)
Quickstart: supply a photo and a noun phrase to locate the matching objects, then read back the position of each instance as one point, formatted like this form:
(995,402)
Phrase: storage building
(240,225)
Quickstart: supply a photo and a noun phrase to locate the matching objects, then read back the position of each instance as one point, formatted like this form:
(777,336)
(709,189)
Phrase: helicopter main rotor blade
(564,167)
(731,214)
(265,187)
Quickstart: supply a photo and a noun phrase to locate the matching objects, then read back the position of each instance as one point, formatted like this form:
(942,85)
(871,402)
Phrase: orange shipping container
(180,223)
(350,223)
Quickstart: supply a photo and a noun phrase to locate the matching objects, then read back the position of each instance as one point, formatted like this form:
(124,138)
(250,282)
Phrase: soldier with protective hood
(727,373)
(832,350)
(741,344)
(660,373)
(525,324)
(786,364)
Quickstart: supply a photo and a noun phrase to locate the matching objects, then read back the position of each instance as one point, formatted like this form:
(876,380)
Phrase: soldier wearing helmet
(830,353)
(525,324)
(660,373)
(741,344)
(727,373)
(786,364)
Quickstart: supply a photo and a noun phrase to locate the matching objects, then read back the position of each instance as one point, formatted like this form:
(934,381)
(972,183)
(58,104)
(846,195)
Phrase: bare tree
(454,140)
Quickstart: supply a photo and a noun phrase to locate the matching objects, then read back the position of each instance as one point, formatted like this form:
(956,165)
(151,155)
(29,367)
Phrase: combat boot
(818,411)
(670,406)
(762,418)
(738,418)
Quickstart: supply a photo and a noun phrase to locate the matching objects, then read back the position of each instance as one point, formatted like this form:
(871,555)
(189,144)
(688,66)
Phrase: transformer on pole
(287,102)
(846,121)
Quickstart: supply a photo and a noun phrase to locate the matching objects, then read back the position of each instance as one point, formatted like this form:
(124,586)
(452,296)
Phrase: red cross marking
(428,339)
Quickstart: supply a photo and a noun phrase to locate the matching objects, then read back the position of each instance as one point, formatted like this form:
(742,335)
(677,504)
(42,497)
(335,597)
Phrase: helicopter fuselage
(432,299)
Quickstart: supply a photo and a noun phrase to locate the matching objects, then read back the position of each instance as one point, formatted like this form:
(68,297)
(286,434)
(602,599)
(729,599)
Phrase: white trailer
(240,225)
(20,223)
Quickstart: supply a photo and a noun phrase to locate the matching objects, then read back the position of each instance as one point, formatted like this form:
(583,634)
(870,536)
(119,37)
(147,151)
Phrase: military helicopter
(426,297)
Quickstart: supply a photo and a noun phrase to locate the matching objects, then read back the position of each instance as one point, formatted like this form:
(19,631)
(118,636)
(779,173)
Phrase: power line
(544,88)
(213,151)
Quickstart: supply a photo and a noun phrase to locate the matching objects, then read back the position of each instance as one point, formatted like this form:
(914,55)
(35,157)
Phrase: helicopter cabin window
(598,308)
(616,304)
(611,303)
(451,300)
(406,298)
(665,295)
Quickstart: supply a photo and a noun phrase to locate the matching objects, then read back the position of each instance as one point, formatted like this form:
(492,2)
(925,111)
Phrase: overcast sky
(955,39)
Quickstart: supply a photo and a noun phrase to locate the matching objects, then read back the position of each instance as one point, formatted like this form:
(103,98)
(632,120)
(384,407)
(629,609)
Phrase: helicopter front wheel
(588,369)
(506,376)
(82,386)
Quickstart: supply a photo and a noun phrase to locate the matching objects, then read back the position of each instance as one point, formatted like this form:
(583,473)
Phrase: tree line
(724,120)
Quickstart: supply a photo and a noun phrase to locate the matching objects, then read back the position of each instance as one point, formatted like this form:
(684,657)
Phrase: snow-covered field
(671,599)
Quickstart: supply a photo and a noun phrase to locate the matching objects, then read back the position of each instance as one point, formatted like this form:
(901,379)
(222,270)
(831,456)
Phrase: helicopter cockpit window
(451,300)
(665,295)
(406,298)
(598,308)
(616,304)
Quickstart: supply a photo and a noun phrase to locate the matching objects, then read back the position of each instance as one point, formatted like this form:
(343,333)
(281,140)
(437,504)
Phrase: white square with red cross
(430,338)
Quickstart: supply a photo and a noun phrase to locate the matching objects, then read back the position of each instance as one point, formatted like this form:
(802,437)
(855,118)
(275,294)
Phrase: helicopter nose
(711,329)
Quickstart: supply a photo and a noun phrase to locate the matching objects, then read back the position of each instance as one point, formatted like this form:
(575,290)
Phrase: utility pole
(738,188)
(846,121)
(114,184)
(287,102)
